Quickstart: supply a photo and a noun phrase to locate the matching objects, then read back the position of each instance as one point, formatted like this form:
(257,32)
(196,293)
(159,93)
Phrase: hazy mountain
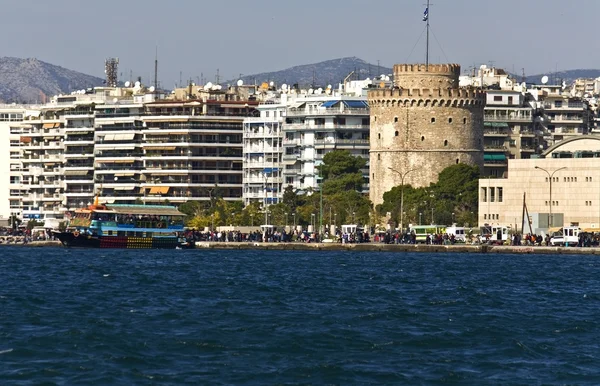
(558,77)
(34,81)
(318,74)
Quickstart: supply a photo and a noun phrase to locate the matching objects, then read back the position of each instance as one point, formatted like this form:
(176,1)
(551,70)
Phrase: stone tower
(424,124)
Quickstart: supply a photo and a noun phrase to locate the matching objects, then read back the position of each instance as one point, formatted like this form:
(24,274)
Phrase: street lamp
(294,216)
(452,218)
(420,214)
(353,220)
(286,220)
(550,175)
(312,221)
(252,219)
(402,175)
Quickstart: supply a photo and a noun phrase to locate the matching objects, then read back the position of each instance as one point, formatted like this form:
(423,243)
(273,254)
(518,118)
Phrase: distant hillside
(318,74)
(568,76)
(31,80)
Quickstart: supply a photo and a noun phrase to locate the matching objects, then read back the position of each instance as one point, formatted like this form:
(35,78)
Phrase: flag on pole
(426,14)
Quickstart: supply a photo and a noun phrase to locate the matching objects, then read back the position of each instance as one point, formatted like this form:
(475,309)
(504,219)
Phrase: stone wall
(425,124)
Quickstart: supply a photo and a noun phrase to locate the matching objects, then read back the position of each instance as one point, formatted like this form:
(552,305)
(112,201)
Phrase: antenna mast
(156,70)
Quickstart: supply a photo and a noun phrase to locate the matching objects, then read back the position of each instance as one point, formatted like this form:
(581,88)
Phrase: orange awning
(159,190)
(48,126)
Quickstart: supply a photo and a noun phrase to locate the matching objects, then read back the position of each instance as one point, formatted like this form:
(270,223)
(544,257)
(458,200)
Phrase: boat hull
(75,240)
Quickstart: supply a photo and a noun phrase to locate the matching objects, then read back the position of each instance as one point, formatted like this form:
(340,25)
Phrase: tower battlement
(433,76)
(451,69)
(470,93)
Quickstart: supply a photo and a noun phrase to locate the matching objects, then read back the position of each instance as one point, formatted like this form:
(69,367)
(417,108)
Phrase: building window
(557,103)
(483,194)
(395,119)
(464,121)
(396,133)
(449,120)
(373,175)
(432,120)
(378,157)
(500,194)
(375,119)
(379,136)
(497,98)
(445,142)
(422,138)
(457,161)
(492,194)
(267,114)
(485,216)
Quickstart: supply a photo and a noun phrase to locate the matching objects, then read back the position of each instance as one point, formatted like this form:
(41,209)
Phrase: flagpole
(427,48)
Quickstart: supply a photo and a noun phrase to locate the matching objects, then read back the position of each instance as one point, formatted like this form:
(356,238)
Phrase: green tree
(338,163)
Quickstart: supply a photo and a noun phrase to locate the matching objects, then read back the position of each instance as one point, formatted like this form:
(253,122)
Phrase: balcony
(333,112)
(495,148)
(496,132)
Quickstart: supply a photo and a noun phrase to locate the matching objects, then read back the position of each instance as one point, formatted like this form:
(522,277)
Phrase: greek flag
(426,14)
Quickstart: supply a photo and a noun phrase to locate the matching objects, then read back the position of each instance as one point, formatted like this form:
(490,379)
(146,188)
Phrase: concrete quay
(377,247)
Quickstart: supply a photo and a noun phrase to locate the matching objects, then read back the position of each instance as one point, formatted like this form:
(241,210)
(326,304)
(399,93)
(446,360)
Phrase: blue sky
(197,37)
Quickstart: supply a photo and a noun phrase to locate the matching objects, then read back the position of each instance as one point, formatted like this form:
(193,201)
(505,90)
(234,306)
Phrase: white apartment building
(262,151)
(318,124)
(11,118)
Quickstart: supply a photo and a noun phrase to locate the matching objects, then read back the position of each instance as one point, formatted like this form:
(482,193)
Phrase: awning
(160,148)
(270,170)
(125,174)
(124,188)
(48,126)
(124,137)
(356,104)
(495,124)
(159,190)
(76,172)
(494,157)
(329,103)
(108,137)
(26,139)
(297,105)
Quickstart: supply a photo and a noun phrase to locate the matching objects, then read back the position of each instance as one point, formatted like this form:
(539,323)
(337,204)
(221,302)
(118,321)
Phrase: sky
(197,38)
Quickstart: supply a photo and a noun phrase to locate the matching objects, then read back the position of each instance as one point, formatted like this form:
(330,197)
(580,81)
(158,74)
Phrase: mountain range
(34,81)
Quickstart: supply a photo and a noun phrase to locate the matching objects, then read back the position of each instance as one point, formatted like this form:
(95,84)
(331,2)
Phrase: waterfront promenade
(368,247)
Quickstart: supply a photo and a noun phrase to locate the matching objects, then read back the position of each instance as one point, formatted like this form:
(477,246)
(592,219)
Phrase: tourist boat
(125,226)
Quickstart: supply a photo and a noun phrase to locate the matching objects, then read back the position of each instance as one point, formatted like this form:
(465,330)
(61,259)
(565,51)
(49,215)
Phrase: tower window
(457,161)
(395,119)
(432,120)
(375,119)
(422,138)
(396,133)
(379,157)
(445,142)
(464,121)
(379,136)
(449,120)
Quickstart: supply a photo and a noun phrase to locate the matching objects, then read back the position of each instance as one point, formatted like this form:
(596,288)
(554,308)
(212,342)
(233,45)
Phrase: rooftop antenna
(217,77)
(156,69)
(180,75)
(523,75)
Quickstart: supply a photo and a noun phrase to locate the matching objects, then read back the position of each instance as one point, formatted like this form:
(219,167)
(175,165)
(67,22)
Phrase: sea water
(247,317)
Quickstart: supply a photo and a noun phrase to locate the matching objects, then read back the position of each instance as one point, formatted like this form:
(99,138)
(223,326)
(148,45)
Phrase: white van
(566,236)
(458,232)
(498,233)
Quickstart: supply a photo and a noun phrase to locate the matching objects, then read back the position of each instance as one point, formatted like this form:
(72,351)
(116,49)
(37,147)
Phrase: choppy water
(269,317)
